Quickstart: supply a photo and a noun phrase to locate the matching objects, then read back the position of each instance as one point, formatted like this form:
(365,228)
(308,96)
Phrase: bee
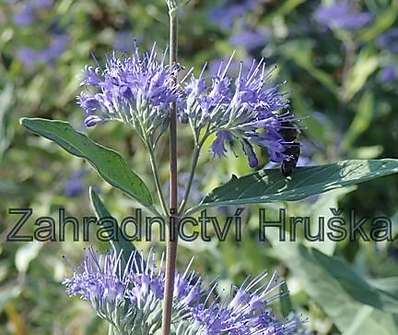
(290,134)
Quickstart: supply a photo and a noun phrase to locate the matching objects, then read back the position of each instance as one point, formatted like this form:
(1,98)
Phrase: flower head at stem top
(246,108)
(136,89)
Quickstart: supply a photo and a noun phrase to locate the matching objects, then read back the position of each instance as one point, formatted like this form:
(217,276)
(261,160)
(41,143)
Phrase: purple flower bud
(92,120)
(218,146)
(249,152)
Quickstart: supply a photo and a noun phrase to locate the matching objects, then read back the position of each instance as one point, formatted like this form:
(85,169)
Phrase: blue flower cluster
(245,108)
(129,295)
(137,90)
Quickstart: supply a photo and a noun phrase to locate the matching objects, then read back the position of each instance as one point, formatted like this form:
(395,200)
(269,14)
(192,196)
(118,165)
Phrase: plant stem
(195,158)
(155,171)
(171,248)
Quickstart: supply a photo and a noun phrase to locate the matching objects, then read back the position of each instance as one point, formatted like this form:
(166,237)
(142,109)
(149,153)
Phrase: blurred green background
(342,83)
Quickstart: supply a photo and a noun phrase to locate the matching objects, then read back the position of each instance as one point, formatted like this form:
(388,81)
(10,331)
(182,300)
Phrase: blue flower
(245,108)
(343,15)
(129,295)
(135,89)
(244,312)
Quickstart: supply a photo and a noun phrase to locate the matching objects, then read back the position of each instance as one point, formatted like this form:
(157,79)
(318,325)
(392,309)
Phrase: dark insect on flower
(290,133)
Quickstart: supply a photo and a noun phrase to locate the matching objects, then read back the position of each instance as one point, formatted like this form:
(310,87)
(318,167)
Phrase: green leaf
(270,185)
(119,243)
(366,63)
(355,285)
(382,22)
(369,321)
(109,164)
(389,284)
(362,120)
(284,300)
(331,294)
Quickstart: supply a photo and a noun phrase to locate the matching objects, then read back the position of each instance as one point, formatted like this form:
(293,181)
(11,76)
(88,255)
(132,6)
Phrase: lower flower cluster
(128,293)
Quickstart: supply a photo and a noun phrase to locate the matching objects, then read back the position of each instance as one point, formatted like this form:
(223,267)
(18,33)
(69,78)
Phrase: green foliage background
(348,113)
